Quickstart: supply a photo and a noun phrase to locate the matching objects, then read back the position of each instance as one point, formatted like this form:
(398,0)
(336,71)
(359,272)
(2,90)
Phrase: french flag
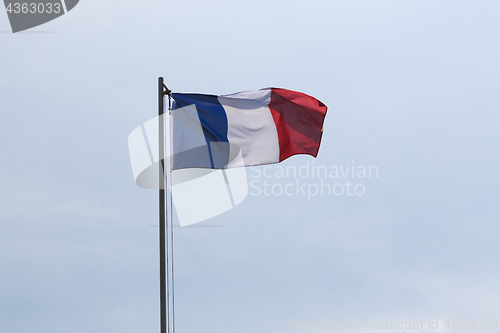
(244,129)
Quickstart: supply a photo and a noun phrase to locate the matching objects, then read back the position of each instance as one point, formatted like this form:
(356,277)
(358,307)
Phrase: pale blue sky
(412,87)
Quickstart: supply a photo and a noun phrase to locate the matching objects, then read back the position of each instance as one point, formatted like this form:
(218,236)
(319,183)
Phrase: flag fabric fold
(243,129)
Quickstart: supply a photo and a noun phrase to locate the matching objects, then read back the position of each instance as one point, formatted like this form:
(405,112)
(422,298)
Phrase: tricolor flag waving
(212,137)
(244,129)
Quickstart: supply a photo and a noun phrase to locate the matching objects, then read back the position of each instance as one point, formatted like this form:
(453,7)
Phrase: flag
(244,129)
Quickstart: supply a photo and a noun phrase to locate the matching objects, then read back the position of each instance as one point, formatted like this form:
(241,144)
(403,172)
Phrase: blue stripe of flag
(213,121)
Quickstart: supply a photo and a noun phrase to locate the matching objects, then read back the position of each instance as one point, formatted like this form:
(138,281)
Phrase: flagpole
(161,150)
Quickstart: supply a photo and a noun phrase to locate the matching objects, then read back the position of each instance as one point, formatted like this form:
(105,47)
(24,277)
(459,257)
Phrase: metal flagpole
(161,179)
(166,224)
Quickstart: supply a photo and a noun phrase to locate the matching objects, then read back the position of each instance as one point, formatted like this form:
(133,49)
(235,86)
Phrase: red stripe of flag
(299,120)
